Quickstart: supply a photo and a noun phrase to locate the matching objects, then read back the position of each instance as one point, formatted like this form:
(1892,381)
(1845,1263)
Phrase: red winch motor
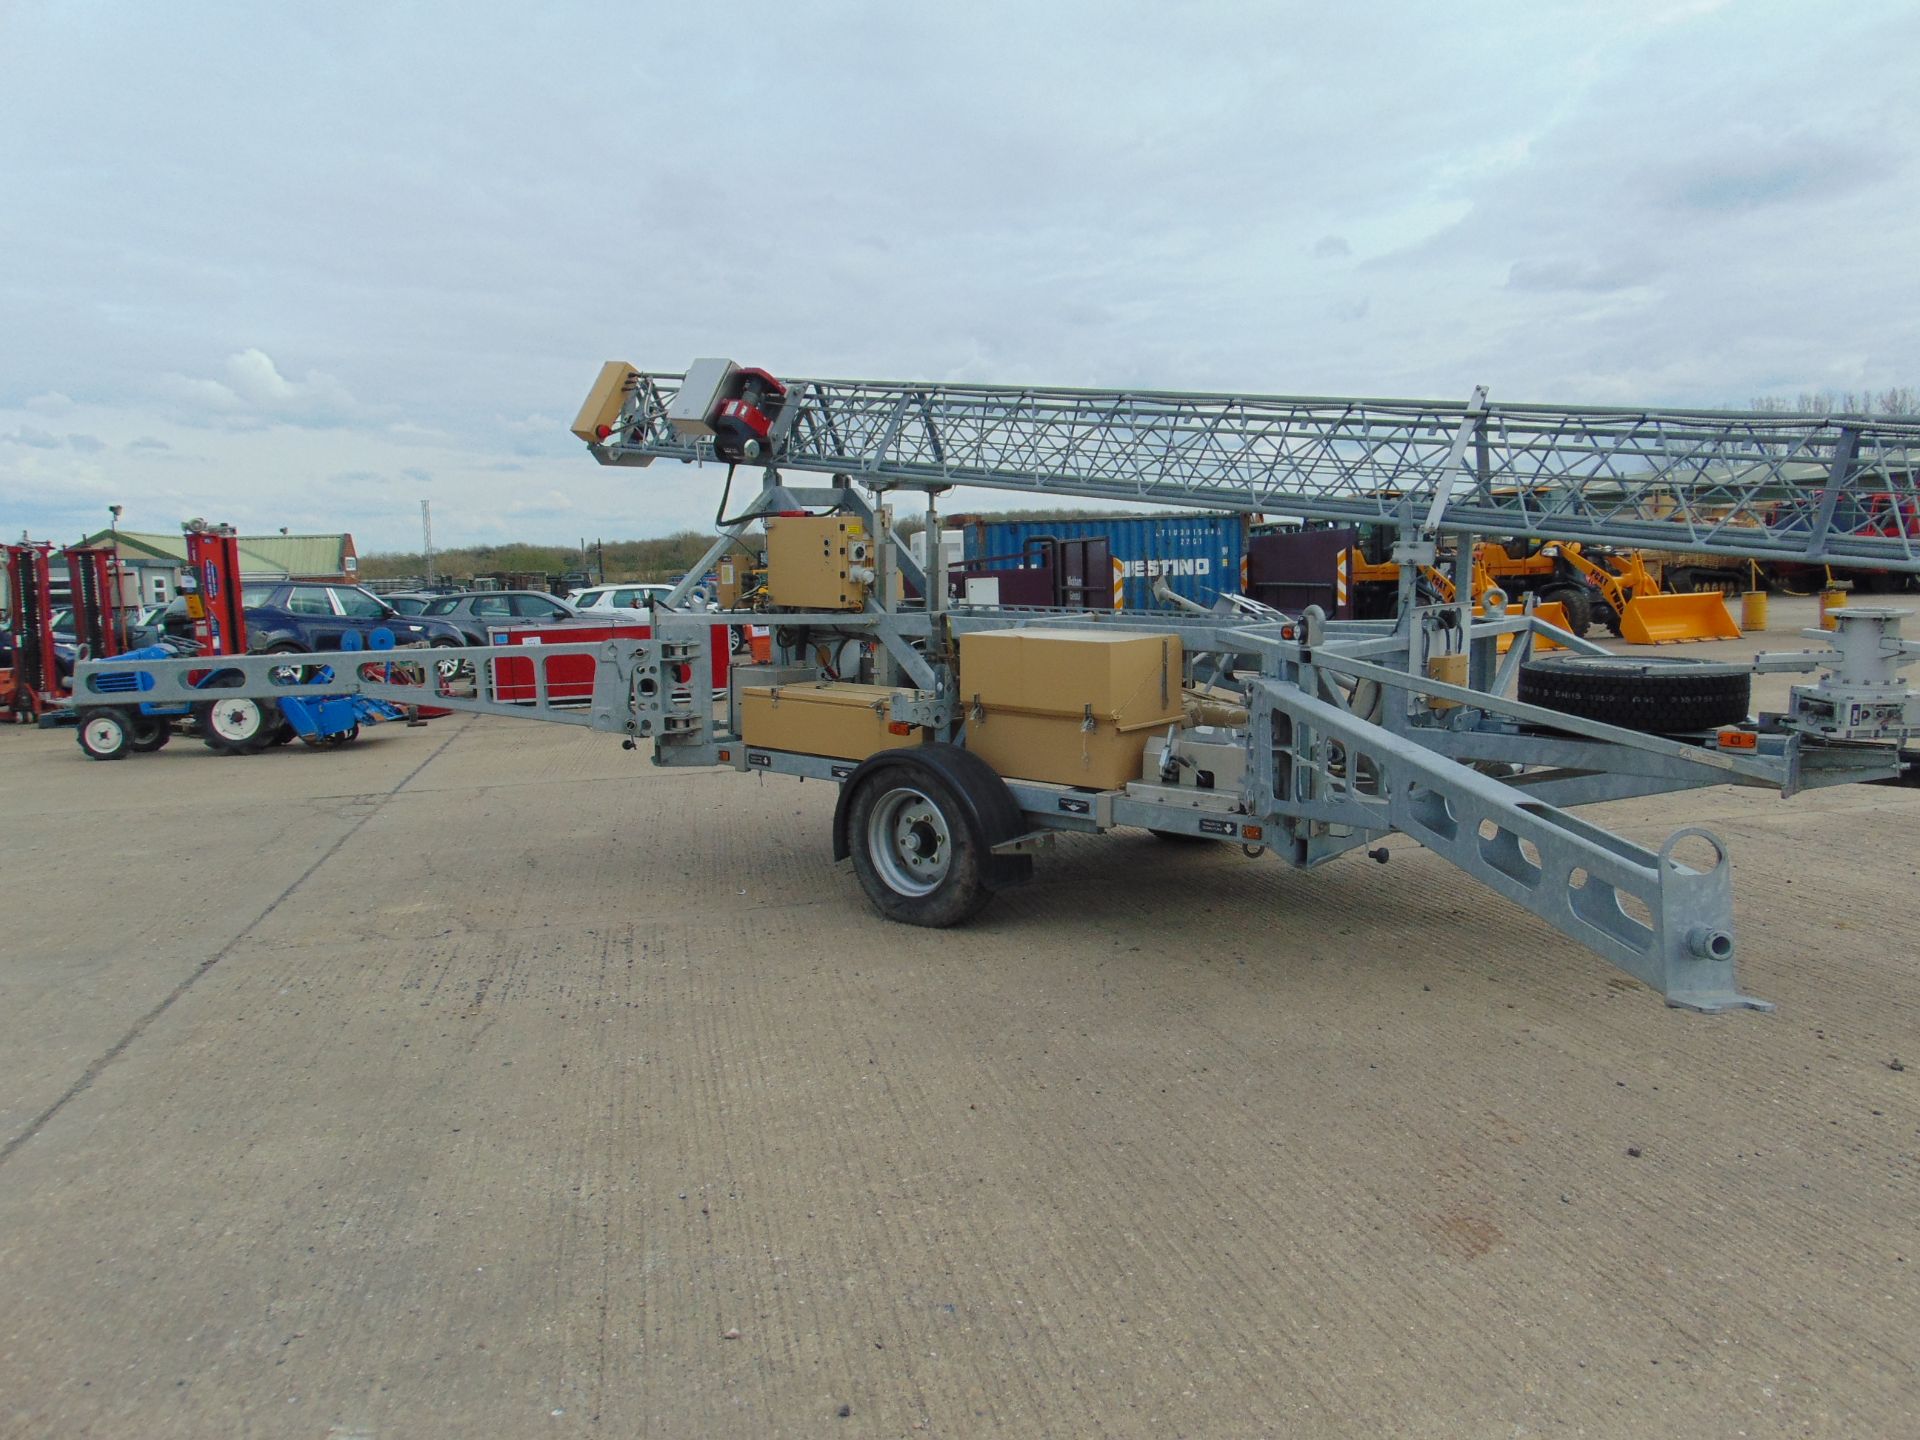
(741,422)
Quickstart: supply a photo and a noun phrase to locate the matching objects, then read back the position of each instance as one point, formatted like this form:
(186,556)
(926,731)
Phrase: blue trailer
(116,724)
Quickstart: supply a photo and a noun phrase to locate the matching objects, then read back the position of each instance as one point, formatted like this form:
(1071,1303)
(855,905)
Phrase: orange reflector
(1739,740)
(899,727)
(726,755)
(1251,832)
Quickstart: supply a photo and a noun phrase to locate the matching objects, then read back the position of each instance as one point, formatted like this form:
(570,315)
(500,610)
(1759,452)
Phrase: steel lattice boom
(1823,489)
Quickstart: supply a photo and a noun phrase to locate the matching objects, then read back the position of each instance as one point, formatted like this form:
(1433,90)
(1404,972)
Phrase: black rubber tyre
(1576,600)
(915,849)
(1658,696)
(150,733)
(236,726)
(289,674)
(104,734)
(451,671)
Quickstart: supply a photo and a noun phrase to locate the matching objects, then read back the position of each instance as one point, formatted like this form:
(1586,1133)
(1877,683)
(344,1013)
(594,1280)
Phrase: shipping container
(1199,554)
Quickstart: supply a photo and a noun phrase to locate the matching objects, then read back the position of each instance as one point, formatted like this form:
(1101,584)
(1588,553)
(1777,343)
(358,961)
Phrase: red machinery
(35,681)
(744,418)
(95,591)
(212,589)
(35,670)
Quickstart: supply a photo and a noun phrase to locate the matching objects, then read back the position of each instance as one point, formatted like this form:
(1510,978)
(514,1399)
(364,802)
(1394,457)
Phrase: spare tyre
(1660,696)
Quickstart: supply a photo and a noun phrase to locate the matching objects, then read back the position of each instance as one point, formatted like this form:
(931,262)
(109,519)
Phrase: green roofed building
(154,563)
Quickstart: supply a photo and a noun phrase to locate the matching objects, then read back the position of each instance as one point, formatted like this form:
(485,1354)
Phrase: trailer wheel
(915,848)
(236,726)
(1576,601)
(1659,696)
(104,735)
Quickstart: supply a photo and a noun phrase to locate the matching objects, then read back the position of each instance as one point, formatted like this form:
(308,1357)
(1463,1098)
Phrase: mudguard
(992,812)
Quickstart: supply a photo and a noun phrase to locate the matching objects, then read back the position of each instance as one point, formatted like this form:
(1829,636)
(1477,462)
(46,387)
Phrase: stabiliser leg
(1664,922)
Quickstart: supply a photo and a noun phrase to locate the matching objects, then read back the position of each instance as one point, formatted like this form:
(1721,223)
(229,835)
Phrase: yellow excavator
(1438,585)
(1574,589)
(1639,611)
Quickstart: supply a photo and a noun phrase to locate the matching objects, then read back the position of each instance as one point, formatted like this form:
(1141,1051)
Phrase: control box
(735,577)
(818,562)
(704,387)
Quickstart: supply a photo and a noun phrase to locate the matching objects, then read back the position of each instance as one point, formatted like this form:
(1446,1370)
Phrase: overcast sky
(305,265)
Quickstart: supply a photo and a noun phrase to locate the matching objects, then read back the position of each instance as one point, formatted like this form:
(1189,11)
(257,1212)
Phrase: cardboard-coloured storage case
(824,717)
(1070,707)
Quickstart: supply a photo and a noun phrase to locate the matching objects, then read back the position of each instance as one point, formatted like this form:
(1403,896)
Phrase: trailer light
(1286,632)
(899,727)
(1739,740)
(1252,832)
(726,757)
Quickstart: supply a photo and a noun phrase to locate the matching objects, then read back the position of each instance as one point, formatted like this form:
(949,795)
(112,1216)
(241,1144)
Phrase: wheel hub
(909,842)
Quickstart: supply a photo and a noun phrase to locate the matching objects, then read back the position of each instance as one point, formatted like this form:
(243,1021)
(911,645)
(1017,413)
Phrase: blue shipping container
(1199,554)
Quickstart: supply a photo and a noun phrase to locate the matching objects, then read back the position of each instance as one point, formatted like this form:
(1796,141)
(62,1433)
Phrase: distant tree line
(1900,400)
(625,560)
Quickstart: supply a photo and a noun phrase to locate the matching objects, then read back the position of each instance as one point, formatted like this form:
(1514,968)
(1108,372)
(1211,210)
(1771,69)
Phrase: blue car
(301,616)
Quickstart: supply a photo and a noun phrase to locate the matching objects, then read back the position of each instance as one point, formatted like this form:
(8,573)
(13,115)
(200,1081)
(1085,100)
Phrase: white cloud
(32,437)
(254,392)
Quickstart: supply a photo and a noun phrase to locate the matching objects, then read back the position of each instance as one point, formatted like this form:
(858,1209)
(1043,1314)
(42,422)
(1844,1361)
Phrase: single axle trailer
(964,738)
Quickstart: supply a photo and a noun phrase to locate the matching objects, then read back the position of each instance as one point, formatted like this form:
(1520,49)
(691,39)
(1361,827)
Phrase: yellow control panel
(818,562)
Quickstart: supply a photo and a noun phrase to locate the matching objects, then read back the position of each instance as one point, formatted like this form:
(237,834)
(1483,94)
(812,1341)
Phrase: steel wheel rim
(103,734)
(907,837)
(235,720)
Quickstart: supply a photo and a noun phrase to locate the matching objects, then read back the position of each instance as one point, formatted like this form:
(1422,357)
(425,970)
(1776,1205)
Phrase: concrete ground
(482,1080)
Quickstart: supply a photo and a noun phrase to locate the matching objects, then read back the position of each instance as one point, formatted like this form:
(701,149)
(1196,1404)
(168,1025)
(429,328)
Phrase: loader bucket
(1551,611)
(1555,614)
(1655,619)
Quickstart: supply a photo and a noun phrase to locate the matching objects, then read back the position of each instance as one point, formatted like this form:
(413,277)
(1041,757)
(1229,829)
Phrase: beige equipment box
(812,561)
(604,401)
(822,717)
(1071,707)
(735,574)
